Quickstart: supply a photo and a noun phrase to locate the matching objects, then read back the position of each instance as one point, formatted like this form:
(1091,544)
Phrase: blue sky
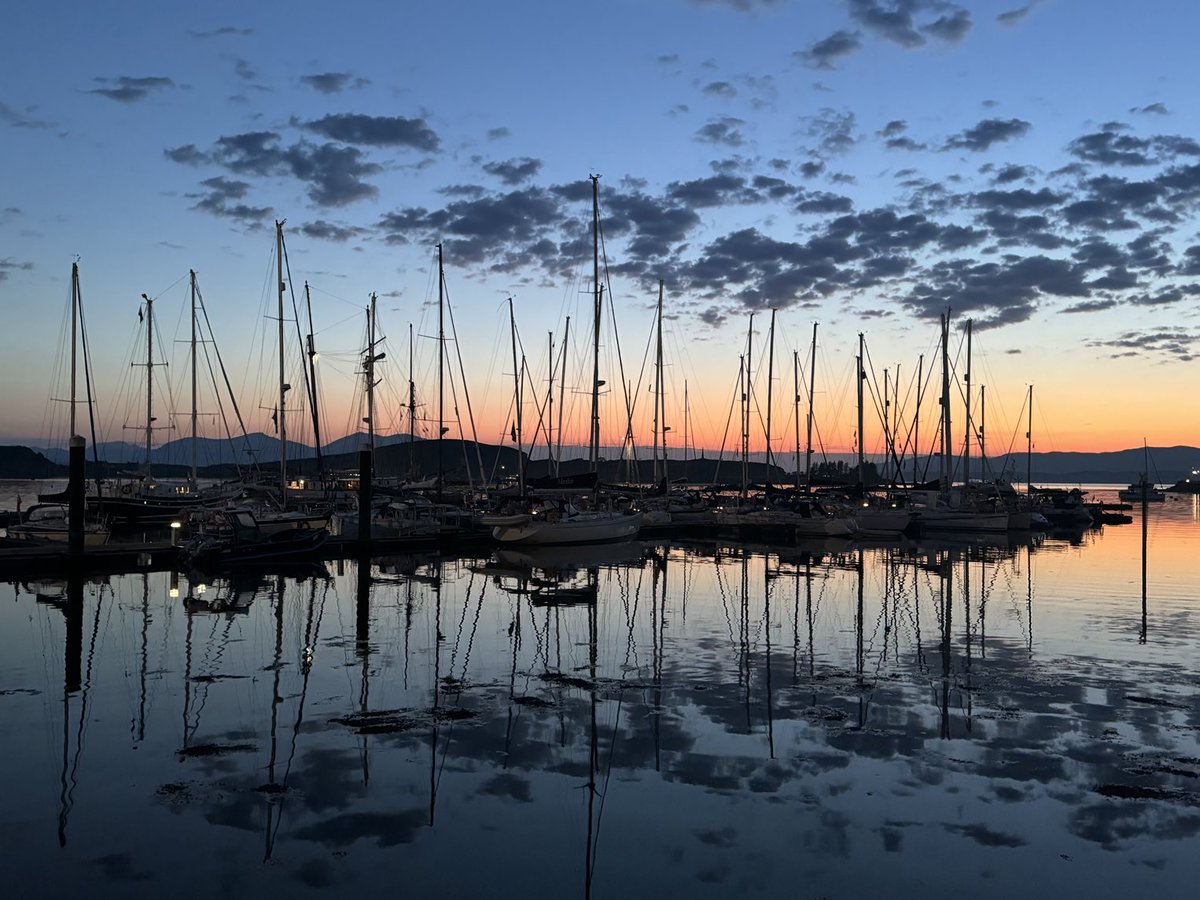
(862,164)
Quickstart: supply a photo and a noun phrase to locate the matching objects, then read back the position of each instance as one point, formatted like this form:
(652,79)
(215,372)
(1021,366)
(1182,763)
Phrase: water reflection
(688,720)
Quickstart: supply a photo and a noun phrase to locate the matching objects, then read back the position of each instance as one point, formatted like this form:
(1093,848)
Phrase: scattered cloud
(908,23)
(514,171)
(376,131)
(1175,344)
(986,133)
(827,53)
(1153,109)
(720,89)
(498,134)
(833,131)
(222,197)
(127,89)
(726,130)
(10,265)
(333,82)
(740,5)
(1013,16)
(327,231)
(223,31)
(187,155)
(27,119)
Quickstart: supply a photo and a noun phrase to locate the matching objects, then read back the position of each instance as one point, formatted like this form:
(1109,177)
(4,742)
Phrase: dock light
(201,588)
(175,526)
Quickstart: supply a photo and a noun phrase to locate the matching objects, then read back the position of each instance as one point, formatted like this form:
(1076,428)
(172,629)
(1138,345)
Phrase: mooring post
(75,498)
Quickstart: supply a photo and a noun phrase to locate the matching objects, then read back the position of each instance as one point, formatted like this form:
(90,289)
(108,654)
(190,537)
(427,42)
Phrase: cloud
(1010,173)
(244,70)
(187,155)
(986,133)
(126,89)
(514,171)
(906,22)
(334,174)
(18,119)
(505,232)
(1112,147)
(327,231)
(952,27)
(333,82)
(720,89)
(827,52)
(223,31)
(11,265)
(376,131)
(1175,344)
(740,5)
(1013,16)
(832,129)
(497,134)
(725,130)
(217,200)
(1089,306)
(1155,109)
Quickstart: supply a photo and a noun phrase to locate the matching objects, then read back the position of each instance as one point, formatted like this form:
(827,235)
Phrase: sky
(864,165)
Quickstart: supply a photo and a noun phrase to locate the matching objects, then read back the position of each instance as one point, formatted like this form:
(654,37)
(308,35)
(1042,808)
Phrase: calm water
(812,722)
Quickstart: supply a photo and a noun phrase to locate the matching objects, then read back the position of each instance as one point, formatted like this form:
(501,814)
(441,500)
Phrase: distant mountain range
(256,447)
(1166,464)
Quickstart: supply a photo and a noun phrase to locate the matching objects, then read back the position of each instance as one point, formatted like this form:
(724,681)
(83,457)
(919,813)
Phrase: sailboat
(1143,490)
(558,521)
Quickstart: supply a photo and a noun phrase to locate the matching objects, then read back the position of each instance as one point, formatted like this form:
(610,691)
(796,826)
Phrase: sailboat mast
(982,433)
(686,414)
(967,442)
(945,470)
(282,372)
(1029,447)
(192,278)
(550,403)
(812,384)
(517,433)
(74,337)
(746,409)
(594,440)
(888,447)
(441,368)
(370,374)
(562,387)
(313,356)
(917,418)
(770,385)
(658,370)
(149,379)
(859,379)
(796,409)
(412,404)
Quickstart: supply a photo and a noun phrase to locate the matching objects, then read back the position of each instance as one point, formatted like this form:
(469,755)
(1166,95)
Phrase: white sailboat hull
(582,528)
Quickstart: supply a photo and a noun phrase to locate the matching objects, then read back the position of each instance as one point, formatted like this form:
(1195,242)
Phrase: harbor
(690,719)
